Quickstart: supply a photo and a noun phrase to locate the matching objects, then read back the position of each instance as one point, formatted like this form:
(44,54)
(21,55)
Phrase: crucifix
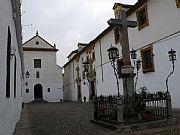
(122,23)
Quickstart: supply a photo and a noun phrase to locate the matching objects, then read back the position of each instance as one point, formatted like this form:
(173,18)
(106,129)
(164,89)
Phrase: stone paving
(72,118)
(66,118)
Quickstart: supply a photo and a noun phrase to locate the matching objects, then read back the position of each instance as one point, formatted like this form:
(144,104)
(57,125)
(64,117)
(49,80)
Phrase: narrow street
(68,118)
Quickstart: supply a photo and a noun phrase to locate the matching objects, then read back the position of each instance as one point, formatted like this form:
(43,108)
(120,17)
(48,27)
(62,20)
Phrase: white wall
(10,108)
(70,93)
(163,21)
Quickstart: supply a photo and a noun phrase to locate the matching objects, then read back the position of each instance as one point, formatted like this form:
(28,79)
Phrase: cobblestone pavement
(68,118)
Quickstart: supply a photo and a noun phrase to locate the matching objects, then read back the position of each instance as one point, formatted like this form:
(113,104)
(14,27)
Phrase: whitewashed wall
(163,21)
(10,108)
(105,77)
(50,73)
(69,83)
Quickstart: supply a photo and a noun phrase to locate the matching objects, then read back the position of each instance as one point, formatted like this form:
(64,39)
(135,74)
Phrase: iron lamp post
(113,54)
(138,66)
(137,63)
(172,58)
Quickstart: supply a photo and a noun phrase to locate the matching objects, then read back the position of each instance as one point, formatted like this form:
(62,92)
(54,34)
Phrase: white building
(157,32)
(43,77)
(11,65)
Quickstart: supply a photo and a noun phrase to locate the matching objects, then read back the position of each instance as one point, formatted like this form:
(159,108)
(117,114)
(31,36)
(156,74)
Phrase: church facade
(153,37)
(43,77)
(11,65)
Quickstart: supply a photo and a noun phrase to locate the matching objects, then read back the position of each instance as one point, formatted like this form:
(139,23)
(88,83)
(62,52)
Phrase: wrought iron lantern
(172,55)
(133,54)
(27,74)
(86,66)
(113,53)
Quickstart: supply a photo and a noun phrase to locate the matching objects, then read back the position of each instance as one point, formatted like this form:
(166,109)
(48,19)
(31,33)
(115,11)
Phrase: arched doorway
(38,93)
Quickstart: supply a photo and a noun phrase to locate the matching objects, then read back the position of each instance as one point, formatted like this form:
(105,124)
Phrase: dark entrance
(92,88)
(38,91)
(79,93)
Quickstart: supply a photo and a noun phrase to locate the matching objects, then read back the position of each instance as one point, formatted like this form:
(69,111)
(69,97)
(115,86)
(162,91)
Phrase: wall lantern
(133,54)
(113,53)
(172,55)
(27,74)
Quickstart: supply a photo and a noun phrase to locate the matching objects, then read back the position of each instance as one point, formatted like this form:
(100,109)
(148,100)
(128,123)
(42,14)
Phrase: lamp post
(113,54)
(137,64)
(172,58)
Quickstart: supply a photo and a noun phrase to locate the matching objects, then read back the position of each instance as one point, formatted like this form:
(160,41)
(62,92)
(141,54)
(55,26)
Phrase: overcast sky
(66,22)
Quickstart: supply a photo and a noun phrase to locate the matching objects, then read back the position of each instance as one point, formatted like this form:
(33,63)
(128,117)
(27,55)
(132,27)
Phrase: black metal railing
(137,108)
(105,108)
(147,106)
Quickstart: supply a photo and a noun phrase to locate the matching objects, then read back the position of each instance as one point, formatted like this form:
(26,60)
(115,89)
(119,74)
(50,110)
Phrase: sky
(67,22)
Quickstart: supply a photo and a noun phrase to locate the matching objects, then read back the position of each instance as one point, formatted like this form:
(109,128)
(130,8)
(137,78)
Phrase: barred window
(37,63)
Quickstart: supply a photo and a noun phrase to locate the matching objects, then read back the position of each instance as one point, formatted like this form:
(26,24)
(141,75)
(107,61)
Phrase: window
(119,66)
(37,63)
(147,59)
(142,17)
(93,56)
(48,89)
(87,58)
(8,68)
(83,74)
(178,3)
(26,84)
(37,74)
(27,90)
(116,35)
(37,43)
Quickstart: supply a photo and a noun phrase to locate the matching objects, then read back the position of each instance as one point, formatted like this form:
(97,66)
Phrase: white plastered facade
(50,74)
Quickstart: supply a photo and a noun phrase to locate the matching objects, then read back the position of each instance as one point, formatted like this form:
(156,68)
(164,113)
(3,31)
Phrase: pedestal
(127,72)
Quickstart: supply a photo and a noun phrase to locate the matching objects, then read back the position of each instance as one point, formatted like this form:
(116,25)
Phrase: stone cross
(123,25)
(127,72)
